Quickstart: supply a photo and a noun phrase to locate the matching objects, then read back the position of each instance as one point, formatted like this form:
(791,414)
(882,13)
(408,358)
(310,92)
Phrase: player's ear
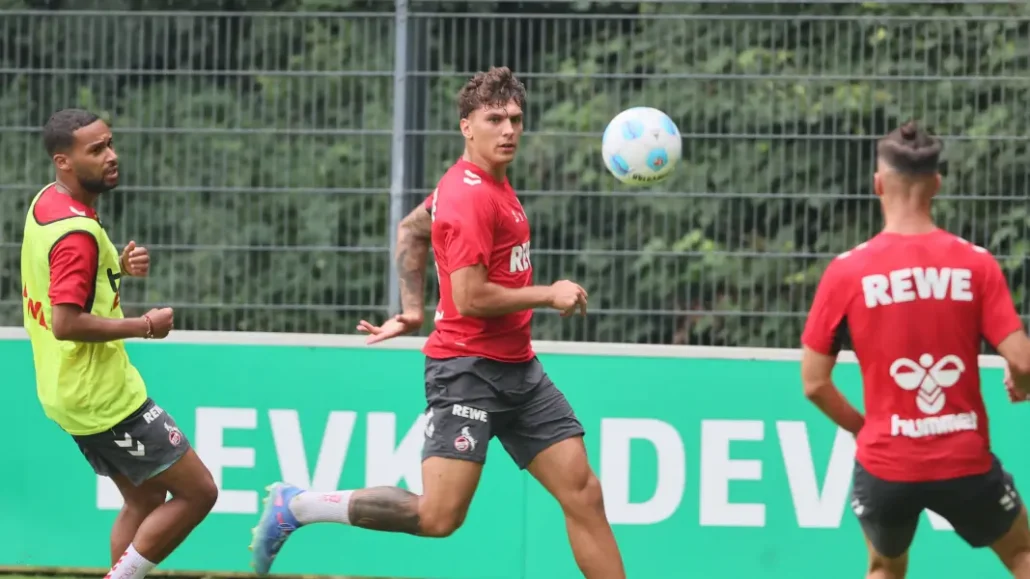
(62,162)
(877,184)
(466,128)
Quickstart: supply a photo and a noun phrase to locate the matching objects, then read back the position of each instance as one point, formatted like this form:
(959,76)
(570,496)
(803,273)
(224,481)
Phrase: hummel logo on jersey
(929,379)
(471,178)
(520,259)
(917,283)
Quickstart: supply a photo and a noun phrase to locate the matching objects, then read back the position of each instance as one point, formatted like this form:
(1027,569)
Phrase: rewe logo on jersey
(520,258)
(918,283)
(929,379)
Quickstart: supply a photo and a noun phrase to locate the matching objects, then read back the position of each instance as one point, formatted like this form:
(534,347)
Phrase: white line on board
(541,346)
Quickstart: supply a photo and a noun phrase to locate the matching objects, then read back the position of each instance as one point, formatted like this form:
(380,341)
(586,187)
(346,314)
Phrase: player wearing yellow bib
(71,274)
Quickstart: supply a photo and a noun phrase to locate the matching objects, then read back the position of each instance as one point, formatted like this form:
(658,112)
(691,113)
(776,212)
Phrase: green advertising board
(713,463)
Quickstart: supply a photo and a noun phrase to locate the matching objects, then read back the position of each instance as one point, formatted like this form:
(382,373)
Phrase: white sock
(131,565)
(312,507)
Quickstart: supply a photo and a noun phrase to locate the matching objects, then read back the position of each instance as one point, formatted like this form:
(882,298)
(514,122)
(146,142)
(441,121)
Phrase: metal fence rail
(267,157)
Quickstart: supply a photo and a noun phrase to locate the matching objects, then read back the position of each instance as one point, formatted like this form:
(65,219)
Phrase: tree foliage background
(255,141)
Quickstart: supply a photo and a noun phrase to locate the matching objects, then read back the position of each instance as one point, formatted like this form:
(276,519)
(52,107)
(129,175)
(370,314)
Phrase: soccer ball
(641,145)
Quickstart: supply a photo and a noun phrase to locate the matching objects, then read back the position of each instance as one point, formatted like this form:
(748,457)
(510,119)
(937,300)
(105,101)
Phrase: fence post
(400,105)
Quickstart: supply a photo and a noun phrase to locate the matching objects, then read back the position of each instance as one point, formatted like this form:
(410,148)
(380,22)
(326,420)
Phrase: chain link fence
(266,157)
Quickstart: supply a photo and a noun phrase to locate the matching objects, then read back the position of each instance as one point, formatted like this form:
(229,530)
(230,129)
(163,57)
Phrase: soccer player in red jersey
(482,377)
(917,301)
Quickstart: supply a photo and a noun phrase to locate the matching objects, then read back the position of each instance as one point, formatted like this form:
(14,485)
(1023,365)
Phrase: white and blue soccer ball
(641,145)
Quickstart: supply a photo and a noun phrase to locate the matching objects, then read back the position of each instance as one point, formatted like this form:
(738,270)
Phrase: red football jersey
(916,308)
(479,220)
(73,259)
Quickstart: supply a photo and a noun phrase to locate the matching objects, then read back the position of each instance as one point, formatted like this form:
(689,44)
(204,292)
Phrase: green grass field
(14,576)
(6,574)
(82,575)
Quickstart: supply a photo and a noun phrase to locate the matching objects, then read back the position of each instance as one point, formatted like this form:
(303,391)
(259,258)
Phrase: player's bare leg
(1014,547)
(137,504)
(193,496)
(564,471)
(448,486)
(165,526)
(884,567)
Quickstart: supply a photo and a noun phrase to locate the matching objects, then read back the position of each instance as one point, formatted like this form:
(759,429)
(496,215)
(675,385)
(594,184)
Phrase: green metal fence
(267,155)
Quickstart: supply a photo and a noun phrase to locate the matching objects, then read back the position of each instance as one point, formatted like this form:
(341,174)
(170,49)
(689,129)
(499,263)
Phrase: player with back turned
(71,275)
(482,378)
(917,302)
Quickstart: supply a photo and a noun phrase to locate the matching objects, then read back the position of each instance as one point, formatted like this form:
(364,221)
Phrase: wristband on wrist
(150,327)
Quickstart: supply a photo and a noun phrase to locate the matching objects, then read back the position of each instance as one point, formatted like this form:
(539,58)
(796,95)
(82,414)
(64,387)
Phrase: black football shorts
(142,446)
(470,400)
(981,508)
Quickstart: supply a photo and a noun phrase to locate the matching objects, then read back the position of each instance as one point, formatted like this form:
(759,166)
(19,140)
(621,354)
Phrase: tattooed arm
(413,240)
(413,237)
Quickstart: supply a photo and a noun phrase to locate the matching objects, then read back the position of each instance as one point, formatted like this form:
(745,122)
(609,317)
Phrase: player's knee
(1018,563)
(202,492)
(440,518)
(440,524)
(584,499)
(1015,554)
(206,495)
(881,567)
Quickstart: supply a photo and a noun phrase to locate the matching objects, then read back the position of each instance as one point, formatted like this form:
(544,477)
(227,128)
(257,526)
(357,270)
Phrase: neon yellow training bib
(84,387)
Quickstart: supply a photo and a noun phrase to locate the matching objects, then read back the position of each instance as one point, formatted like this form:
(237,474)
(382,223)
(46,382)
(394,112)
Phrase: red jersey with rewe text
(479,220)
(916,308)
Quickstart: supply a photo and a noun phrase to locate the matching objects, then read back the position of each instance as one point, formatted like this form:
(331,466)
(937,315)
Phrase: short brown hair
(495,87)
(911,150)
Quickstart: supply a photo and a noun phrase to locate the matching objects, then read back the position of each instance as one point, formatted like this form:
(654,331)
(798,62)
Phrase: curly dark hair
(495,87)
(911,150)
(59,131)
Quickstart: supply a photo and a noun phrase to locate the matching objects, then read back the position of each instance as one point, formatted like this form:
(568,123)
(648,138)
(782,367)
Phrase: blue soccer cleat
(276,525)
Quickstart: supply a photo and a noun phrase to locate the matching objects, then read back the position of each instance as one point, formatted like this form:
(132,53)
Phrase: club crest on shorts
(174,434)
(464,442)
